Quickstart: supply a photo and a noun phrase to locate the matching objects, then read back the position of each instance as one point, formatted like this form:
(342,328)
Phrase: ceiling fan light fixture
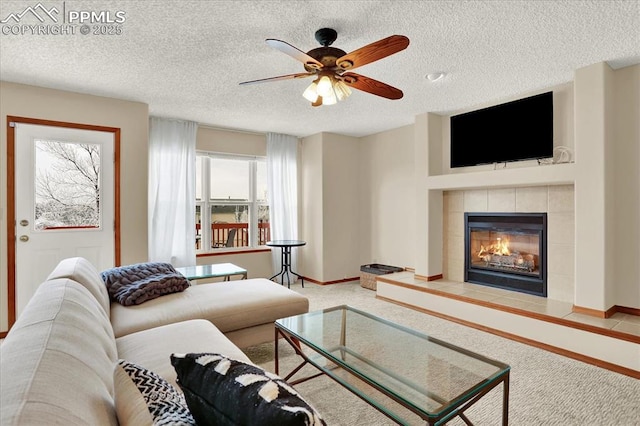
(311,94)
(325,86)
(326,91)
(330,98)
(342,90)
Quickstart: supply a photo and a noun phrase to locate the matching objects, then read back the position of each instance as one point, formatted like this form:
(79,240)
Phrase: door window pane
(67,185)
(229,180)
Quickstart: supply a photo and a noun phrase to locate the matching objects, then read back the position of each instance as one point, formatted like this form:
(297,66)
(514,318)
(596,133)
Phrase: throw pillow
(224,391)
(135,284)
(144,398)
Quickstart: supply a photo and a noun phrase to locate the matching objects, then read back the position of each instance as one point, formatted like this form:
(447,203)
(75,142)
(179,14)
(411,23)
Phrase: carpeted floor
(545,388)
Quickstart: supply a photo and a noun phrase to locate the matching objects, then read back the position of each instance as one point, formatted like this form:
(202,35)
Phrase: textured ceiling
(185,58)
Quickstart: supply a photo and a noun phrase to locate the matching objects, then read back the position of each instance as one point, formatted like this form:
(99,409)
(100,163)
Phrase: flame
(500,247)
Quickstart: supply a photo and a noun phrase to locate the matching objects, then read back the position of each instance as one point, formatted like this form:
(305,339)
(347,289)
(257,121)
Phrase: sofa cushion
(230,306)
(152,348)
(57,360)
(223,391)
(136,284)
(143,398)
(82,271)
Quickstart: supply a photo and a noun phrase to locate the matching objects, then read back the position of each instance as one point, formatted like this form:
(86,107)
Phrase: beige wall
(311,223)
(330,207)
(627,185)
(341,210)
(593,270)
(231,142)
(387,209)
(130,117)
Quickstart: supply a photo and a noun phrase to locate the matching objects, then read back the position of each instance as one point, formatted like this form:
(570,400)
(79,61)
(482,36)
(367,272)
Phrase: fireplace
(507,250)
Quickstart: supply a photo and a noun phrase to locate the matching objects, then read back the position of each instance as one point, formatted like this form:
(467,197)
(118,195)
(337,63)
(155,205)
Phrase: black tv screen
(518,130)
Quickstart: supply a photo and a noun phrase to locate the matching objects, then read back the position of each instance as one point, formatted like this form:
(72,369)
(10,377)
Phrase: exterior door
(64,201)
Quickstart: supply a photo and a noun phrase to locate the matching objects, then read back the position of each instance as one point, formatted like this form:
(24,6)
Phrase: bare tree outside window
(67,185)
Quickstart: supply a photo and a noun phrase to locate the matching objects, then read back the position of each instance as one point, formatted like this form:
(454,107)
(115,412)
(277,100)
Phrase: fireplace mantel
(554,174)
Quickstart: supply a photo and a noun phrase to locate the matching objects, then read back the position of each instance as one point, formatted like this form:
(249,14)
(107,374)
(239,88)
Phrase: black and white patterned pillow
(158,397)
(224,391)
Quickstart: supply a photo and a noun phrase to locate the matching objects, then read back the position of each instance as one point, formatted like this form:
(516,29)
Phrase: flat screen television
(513,131)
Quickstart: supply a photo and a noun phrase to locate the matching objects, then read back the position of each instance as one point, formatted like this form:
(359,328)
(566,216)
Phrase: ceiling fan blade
(373,52)
(278,78)
(372,86)
(295,53)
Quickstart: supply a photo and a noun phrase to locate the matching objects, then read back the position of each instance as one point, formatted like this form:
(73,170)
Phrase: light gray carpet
(545,388)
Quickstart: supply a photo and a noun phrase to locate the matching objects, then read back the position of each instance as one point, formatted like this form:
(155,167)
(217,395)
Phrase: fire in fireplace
(507,250)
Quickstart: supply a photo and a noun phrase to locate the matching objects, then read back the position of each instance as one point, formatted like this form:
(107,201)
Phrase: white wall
(130,117)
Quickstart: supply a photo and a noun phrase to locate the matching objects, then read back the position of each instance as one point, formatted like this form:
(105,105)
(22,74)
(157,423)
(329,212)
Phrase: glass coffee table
(408,376)
(217,270)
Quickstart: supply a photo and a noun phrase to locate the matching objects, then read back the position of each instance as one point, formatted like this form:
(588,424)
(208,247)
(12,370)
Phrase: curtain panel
(172,151)
(282,182)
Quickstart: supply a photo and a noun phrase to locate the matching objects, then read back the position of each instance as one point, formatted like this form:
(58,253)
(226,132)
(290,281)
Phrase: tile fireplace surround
(557,201)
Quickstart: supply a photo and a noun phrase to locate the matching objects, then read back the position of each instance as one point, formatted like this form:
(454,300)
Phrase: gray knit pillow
(135,284)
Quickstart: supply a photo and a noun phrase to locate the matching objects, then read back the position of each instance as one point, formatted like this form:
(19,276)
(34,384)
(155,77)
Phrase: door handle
(24,238)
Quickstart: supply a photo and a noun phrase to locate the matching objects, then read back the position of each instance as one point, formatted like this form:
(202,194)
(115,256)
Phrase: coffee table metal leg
(277,367)
(505,401)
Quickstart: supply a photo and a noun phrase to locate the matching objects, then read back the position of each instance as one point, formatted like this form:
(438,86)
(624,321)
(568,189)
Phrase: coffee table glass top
(426,374)
(200,272)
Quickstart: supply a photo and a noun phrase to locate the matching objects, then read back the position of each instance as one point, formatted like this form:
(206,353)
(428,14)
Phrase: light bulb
(311,94)
(325,87)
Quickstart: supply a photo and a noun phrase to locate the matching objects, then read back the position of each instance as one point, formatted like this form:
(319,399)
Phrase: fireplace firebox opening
(507,250)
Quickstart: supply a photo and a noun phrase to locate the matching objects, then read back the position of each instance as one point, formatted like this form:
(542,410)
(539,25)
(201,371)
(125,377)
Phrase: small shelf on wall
(553,174)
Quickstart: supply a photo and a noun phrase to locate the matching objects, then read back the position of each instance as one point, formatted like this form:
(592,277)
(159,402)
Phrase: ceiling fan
(330,66)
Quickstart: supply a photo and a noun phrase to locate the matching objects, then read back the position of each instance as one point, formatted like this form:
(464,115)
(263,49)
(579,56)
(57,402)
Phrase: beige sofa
(57,362)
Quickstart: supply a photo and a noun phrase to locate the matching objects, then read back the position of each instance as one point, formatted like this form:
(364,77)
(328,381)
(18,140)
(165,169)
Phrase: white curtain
(172,152)
(282,181)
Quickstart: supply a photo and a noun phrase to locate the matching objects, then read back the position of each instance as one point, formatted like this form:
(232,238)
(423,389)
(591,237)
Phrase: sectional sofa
(57,362)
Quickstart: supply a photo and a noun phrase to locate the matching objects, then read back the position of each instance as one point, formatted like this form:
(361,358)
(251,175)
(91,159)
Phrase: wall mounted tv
(517,130)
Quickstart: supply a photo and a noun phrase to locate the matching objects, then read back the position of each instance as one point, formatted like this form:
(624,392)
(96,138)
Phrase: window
(232,207)
(67,185)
